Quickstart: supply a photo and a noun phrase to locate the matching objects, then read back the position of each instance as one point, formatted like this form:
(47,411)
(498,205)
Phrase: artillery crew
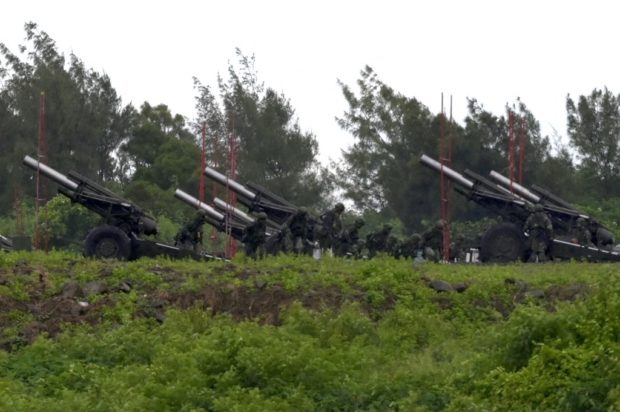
(349,242)
(330,226)
(411,246)
(394,246)
(190,236)
(254,236)
(297,227)
(432,241)
(378,241)
(540,230)
(583,236)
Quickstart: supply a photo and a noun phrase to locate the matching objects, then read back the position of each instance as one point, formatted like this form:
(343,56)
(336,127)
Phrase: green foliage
(67,224)
(85,120)
(593,128)
(272,149)
(8,222)
(349,335)
(605,211)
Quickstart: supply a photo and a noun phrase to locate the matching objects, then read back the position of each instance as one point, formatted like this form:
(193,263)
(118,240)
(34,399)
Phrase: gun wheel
(107,242)
(502,243)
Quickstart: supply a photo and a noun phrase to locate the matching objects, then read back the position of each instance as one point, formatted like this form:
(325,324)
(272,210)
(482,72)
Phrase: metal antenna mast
(445,159)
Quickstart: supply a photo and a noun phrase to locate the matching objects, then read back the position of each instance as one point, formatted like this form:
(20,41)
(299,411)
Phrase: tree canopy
(272,150)
(381,170)
(146,153)
(85,121)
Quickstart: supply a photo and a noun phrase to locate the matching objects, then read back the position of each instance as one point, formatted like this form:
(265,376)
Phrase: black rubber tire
(107,242)
(503,243)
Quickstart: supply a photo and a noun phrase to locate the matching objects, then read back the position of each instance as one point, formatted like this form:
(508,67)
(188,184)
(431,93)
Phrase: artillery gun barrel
(225,181)
(452,174)
(50,173)
(489,185)
(195,203)
(272,227)
(521,190)
(231,209)
(555,199)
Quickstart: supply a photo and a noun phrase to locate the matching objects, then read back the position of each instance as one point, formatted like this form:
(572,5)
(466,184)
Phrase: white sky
(494,51)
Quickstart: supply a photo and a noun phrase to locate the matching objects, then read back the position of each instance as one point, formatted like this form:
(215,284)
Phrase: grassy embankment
(295,334)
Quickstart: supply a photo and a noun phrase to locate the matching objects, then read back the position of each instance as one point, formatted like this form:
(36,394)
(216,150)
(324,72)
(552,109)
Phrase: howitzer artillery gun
(506,241)
(124,223)
(280,212)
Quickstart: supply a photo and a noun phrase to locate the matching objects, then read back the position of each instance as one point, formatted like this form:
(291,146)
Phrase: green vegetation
(291,333)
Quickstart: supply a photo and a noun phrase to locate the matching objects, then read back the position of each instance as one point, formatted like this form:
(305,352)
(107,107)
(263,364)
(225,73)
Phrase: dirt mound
(33,308)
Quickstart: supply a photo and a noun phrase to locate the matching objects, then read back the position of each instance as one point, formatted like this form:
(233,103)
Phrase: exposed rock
(72,290)
(460,287)
(440,286)
(96,287)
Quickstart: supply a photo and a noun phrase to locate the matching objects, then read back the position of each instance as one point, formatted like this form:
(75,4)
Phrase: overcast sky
(494,51)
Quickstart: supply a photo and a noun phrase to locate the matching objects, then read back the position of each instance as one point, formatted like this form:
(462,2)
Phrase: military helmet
(261,216)
(303,211)
(359,222)
(538,207)
(339,207)
(581,221)
(387,227)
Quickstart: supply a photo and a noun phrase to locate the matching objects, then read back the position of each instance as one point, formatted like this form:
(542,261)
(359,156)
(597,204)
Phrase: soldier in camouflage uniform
(411,245)
(349,243)
(432,242)
(540,230)
(254,236)
(190,235)
(330,226)
(583,236)
(458,248)
(377,242)
(394,246)
(297,226)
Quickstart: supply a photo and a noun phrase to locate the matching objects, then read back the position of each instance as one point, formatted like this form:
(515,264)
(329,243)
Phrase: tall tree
(163,155)
(272,149)
(381,170)
(594,130)
(83,112)
(485,146)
